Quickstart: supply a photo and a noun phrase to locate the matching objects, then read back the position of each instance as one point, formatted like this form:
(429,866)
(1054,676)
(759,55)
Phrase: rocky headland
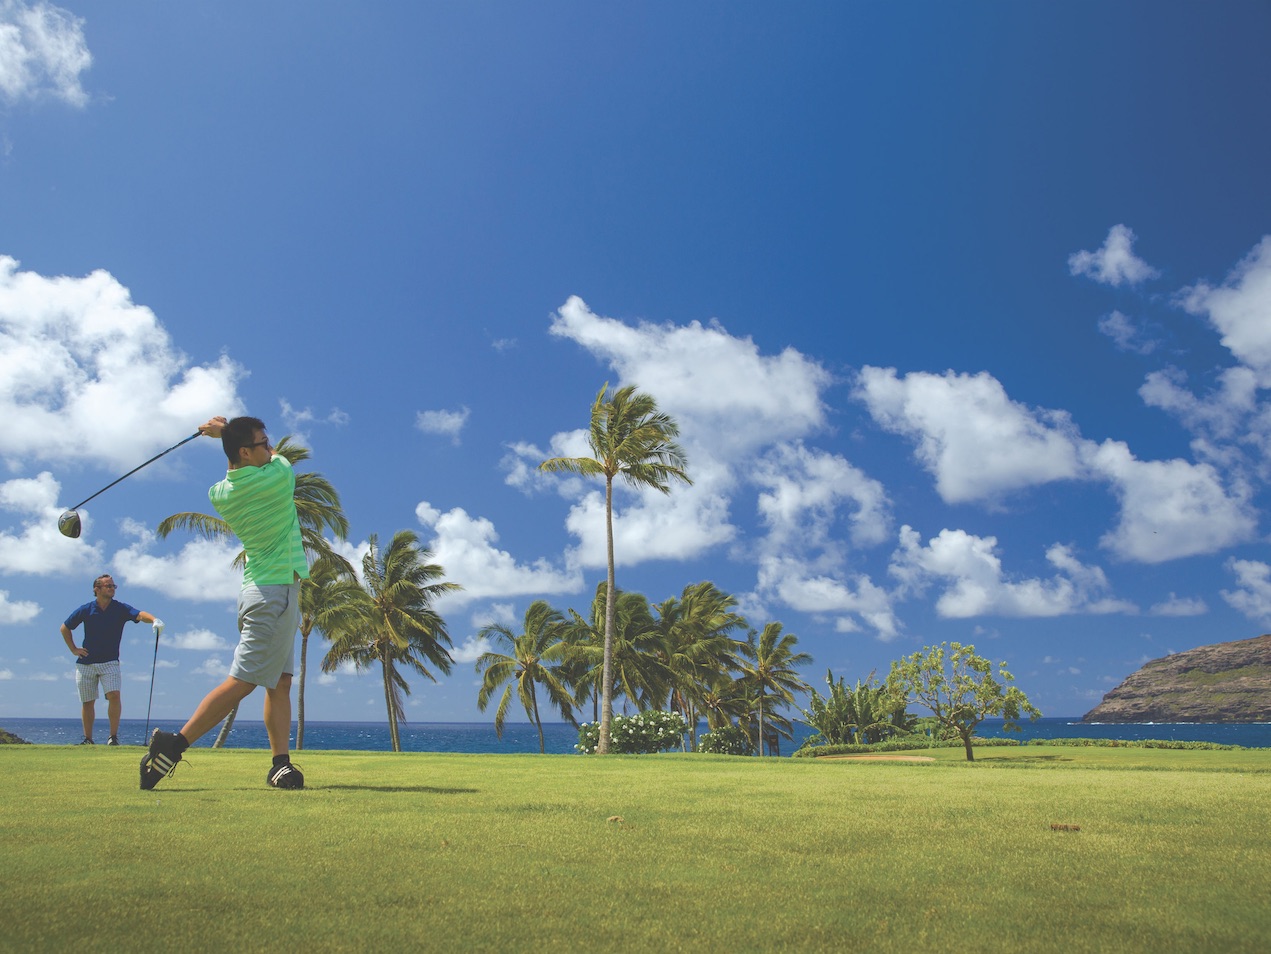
(1225,682)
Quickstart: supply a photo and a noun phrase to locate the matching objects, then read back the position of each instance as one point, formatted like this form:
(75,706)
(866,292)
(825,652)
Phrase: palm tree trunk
(223,735)
(606,684)
(388,702)
(300,703)
(538,721)
(761,721)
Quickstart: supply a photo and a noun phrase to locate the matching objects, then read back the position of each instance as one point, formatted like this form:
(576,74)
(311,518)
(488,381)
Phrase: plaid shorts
(88,675)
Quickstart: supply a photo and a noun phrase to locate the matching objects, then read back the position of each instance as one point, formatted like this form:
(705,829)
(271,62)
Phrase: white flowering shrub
(643,733)
(727,740)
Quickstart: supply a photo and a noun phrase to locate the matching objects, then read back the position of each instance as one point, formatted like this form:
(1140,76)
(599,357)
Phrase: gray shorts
(89,675)
(268,617)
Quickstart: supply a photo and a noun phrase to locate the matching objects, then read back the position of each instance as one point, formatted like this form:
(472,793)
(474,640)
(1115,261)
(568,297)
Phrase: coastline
(559,737)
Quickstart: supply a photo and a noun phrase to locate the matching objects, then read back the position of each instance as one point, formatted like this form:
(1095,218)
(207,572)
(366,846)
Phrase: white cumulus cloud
(803,490)
(973,582)
(1115,262)
(1252,595)
(465,547)
(16,611)
(446,423)
(1128,334)
(1240,310)
(42,53)
(35,545)
(196,639)
(71,346)
(1180,606)
(201,570)
(975,441)
(1172,508)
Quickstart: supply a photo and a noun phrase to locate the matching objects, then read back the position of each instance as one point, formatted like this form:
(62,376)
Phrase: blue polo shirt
(103,629)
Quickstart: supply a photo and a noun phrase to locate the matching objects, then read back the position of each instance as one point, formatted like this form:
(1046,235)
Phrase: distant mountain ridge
(1225,682)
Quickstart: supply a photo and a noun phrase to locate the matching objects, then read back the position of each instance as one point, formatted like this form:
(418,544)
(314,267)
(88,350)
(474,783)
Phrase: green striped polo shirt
(259,505)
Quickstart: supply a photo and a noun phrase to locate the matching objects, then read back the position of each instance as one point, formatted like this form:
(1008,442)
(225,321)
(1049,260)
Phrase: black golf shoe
(285,776)
(161,759)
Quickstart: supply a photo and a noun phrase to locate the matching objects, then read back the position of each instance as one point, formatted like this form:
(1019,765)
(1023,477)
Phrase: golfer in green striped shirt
(257,500)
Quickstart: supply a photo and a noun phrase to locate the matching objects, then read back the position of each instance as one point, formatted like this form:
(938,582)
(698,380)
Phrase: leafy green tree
(535,658)
(768,667)
(863,714)
(632,440)
(960,689)
(317,508)
(696,646)
(394,623)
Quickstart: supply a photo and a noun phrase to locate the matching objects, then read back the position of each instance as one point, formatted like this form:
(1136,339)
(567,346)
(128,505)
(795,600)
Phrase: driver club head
(69,524)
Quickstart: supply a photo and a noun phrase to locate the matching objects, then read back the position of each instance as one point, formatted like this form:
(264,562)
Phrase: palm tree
(696,646)
(629,438)
(723,700)
(637,672)
(317,506)
(393,622)
(535,657)
(768,667)
(329,600)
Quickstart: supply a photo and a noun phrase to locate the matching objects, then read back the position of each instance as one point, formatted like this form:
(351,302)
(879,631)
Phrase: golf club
(69,522)
(146,738)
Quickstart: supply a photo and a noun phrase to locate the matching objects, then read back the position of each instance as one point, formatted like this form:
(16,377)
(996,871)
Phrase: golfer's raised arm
(213,427)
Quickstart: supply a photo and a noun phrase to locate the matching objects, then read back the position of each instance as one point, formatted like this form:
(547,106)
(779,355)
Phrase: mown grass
(522,852)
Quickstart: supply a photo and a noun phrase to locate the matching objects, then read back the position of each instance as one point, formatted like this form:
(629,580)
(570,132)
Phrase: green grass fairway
(416,851)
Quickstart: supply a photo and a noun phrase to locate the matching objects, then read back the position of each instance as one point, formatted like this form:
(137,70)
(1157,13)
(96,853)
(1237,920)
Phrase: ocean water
(559,737)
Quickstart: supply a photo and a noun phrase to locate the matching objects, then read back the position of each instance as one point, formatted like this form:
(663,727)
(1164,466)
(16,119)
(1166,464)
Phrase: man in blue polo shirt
(98,658)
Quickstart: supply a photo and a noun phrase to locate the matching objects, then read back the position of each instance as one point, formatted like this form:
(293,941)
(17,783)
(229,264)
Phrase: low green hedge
(1134,744)
(896,745)
(910,744)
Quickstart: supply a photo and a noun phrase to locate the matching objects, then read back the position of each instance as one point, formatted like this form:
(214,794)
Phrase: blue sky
(964,311)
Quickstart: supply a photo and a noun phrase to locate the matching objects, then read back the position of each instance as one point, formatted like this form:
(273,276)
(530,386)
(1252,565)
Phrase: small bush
(728,740)
(640,734)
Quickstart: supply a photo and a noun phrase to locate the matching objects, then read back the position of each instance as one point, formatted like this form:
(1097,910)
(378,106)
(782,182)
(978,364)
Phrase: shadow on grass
(419,789)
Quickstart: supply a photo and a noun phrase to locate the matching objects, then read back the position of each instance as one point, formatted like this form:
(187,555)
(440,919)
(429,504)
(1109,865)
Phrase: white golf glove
(158,628)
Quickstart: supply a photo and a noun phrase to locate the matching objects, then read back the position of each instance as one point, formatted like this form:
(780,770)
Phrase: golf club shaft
(137,468)
(145,739)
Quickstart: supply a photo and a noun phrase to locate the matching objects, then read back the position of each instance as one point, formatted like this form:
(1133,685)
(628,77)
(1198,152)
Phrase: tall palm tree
(629,438)
(394,623)
(317,507)
(696,646)
(535,658)
(768,661)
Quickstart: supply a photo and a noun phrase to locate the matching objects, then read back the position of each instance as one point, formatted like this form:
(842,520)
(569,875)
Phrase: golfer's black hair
(104,576)
(237,434)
